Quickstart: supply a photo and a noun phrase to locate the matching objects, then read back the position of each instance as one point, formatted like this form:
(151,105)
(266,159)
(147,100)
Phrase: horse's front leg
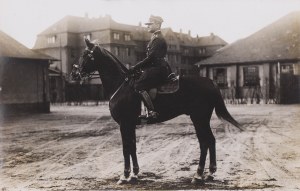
(126,153)
(135,164)
(129,149)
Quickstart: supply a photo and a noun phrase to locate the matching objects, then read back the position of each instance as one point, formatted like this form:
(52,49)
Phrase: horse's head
(87,62)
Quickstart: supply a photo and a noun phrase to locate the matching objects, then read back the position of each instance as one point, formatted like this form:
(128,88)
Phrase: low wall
(24,108)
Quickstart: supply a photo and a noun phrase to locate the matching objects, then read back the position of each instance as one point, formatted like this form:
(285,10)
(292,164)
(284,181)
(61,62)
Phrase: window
(127,51)
(52,83)
(116,36)
(202,50)
(220,76)
(87,36)
(51,39)
(127,37)
(72,53)
(287,69)
(186,51)
(172,47)
(183,71)
(117,51)
(251,76)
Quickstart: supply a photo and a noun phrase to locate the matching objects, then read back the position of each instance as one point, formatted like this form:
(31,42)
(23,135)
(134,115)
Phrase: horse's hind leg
(207,142)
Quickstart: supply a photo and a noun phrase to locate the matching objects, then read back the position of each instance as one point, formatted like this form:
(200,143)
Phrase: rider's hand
(131,70)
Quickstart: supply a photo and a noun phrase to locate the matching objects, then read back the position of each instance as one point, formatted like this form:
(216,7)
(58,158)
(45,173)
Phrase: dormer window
(51,39)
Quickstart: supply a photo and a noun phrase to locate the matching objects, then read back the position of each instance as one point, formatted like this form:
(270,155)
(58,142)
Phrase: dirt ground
(79,148)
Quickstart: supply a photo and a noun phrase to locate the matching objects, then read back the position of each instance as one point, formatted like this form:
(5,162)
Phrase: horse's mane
(115,59)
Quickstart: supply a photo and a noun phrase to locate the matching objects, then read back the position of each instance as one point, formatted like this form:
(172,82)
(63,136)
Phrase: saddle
(171,85)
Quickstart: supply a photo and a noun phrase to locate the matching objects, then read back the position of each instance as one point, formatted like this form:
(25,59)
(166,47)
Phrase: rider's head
(154,23)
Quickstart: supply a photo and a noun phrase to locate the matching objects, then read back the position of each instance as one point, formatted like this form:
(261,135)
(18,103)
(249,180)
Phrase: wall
(236,88)
(24,82)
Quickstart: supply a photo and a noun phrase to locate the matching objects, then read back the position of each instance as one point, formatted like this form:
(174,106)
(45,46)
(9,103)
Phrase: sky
(229,19)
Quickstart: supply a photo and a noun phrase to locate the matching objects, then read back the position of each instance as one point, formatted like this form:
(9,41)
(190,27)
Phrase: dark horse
(196,97)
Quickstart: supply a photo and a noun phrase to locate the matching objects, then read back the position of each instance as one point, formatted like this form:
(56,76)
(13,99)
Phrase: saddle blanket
(171,86)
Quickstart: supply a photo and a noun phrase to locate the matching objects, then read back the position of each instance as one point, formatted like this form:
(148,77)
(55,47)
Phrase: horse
(196,97)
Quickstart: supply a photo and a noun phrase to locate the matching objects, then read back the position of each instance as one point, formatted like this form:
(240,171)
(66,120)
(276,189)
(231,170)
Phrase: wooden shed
(24,83)
(264,67)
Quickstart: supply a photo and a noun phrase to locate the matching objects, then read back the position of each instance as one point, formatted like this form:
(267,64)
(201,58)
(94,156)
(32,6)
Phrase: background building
(23,78)
(64,41)
(265,65)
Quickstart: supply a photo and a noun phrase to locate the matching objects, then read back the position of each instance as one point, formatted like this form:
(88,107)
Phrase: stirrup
(149,115)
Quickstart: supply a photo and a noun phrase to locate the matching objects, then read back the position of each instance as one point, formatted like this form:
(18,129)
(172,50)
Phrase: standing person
(155,68)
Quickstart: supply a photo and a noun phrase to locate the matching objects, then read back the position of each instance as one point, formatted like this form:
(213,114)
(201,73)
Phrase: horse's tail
(221,109)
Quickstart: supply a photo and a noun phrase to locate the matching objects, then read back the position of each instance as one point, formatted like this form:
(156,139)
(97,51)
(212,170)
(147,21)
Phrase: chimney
(189,32)
(180,31)
(140,24)
(212,35)
(86,15)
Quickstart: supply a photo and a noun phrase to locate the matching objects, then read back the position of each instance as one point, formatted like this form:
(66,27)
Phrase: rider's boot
(151,114)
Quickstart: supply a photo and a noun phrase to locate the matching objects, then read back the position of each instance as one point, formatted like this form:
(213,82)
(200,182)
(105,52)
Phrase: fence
(266,94)
(79,93)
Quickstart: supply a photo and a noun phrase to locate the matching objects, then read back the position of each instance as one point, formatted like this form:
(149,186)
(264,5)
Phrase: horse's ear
(88,43)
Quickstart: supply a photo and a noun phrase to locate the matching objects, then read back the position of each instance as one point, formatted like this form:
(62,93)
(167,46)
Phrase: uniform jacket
(156,52)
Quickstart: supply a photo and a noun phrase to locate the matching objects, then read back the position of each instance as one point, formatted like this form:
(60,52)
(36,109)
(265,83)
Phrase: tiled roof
(185,39)
(277,41)
(141,34)
(75,24)
(11,48)
(210,40)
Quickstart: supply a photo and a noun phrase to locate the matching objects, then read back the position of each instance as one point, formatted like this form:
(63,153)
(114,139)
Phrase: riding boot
(151,114)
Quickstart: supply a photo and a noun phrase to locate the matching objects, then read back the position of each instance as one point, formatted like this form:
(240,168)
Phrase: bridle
(90,57)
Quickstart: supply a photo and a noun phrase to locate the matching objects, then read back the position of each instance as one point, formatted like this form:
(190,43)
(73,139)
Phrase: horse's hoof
(197,181)
(208,178)
(133,179)
(122,180)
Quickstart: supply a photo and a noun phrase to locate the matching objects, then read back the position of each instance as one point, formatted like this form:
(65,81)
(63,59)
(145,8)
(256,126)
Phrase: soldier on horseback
(154,66)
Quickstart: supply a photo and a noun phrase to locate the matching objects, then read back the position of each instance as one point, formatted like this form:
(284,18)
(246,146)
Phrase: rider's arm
(152,54)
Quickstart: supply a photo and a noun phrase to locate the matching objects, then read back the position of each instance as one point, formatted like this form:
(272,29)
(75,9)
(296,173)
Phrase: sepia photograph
(149,95)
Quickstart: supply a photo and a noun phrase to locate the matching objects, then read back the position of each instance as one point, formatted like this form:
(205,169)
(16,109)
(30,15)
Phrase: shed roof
(11,48)
(277,41)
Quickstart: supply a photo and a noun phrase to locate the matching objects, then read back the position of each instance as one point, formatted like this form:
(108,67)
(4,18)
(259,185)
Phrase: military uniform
(156,69)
